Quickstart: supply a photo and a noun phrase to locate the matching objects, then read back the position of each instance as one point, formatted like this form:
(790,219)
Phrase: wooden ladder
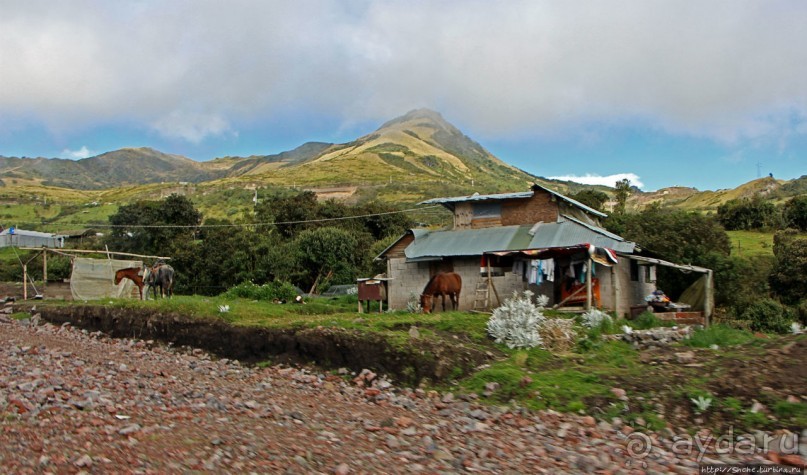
(482,295)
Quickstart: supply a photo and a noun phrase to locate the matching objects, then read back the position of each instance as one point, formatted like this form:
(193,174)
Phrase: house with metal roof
(538,240)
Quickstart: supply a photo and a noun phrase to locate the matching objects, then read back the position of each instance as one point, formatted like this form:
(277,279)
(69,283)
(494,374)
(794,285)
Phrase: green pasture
(751,243)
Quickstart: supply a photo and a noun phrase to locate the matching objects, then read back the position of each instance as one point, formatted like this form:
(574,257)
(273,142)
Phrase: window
(487,210)
(634,271)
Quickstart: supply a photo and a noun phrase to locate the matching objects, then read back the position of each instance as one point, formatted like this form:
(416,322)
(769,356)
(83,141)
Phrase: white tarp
(95,279)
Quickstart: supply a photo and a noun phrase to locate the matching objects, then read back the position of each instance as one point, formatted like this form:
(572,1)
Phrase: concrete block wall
(411,278)
(630,292)
(407,279)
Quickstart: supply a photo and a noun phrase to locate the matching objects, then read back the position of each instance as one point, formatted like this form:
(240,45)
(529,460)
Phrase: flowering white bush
(594,318)
(541,301)
(413,304)
(516,322)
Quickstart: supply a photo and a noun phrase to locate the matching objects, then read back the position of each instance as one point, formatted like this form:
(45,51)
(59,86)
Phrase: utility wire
(231,225)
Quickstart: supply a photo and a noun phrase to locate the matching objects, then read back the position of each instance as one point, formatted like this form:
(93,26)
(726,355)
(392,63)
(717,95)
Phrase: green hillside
(408,159)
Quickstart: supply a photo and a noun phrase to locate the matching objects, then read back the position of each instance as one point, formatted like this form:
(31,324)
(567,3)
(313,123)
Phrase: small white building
(12,237)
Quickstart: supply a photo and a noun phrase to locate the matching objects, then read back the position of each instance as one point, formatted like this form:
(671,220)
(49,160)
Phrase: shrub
(768,315)
(801,311)
(276,289)
(596,319)
(516,322)
(413,303)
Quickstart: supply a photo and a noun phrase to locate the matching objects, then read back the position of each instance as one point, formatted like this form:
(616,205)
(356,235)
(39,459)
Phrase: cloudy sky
(700,93)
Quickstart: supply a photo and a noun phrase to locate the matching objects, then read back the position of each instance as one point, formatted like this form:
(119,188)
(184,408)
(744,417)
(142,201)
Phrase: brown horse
(443,283)
(133,274)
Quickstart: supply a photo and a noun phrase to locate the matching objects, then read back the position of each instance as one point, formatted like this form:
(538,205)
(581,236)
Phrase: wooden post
(490,284)
(615,284)
(588,284)
(25,281)
(709,302)
(44,268)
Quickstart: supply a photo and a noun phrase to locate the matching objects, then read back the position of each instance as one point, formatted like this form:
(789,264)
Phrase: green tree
(330,255)
(297,212)
(622,193)
(787,279)
(591,198)
(223,256)
(754,213)
(151,227)
(795,213)
(676,236)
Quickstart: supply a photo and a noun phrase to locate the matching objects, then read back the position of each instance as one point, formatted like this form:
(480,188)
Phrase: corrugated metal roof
(572,232)
(475,242)
(574,202)
(476,197)
(22,232)
(468,242)
(509,196)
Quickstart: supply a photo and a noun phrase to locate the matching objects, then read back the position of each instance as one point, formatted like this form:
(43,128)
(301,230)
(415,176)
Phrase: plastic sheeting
(695,295)
(95,279)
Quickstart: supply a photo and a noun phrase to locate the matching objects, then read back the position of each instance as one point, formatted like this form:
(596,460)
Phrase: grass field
(751,243)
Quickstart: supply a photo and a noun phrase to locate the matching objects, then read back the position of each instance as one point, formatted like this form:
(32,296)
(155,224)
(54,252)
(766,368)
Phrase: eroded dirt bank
(408,363)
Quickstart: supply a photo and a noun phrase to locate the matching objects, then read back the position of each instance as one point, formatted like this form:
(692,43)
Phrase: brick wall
(540,207)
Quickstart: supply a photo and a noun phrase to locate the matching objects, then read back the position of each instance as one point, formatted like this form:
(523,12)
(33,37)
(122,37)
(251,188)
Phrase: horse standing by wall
(133,274)
(161,276)
(443,283)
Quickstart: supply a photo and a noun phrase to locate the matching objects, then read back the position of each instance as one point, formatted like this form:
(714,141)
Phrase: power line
(234,225)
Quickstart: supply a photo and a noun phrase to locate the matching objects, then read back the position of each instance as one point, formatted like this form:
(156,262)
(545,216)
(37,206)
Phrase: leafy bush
(413,303)
(595,319)
(768,315)
(516,322)
(801,311)
(787,277)
(276,289)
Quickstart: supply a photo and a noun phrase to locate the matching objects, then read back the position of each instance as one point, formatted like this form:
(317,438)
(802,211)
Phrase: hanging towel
(548,269)
(534,271)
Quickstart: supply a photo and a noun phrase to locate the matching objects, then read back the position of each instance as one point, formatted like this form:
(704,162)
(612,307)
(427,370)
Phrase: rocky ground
(78,402)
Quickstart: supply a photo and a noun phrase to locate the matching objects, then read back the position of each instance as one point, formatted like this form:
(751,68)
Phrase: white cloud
(191,127)
(724,69)
(609,180)
(83,152)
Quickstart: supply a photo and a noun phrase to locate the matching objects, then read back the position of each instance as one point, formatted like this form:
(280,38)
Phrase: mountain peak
(419,115)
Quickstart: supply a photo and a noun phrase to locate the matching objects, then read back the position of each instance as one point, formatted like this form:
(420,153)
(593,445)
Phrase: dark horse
(443,283)
(133,274)
(161,276)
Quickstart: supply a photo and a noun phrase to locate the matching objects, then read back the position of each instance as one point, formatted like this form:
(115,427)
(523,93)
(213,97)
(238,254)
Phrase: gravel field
(78,402)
